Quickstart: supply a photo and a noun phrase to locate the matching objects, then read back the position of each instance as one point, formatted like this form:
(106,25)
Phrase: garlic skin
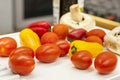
(74,19)
(112,39)
(75,13)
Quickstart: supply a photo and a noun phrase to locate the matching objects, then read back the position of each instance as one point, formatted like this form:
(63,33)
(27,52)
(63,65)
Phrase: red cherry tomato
(23,50)
(49,37)
(64,46)
(105,62)
(82,59)
(21,64)
(48,53)
(7,44)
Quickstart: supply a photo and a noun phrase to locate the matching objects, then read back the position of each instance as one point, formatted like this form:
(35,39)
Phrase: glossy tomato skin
(105,62)
(48,53)
(64,46)
(96,32)
(23,50)
(21,64)
(61,30)
(82,59)
(49,37)
(7,44)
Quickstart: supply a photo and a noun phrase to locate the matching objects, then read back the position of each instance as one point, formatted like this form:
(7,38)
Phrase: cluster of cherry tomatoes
(105,62)
(53,46)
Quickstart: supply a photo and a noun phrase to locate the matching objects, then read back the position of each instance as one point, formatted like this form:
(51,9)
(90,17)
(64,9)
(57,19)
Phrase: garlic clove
(75,13)
(112,39)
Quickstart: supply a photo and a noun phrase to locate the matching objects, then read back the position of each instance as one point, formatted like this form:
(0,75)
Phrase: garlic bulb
(76,19)
(112,39)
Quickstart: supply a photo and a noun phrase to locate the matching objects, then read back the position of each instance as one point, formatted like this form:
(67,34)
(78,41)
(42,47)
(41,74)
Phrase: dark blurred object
(108,9)
(35,8)
(110,17)
(65,4)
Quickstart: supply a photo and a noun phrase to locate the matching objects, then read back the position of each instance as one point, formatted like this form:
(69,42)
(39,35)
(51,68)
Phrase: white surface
(62,69)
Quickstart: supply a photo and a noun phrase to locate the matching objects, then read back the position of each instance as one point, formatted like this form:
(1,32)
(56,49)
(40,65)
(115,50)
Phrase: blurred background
(109,9)
(17,14)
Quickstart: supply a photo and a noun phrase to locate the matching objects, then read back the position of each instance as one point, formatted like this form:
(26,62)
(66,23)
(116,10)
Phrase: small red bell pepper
(40,27)
(76,34)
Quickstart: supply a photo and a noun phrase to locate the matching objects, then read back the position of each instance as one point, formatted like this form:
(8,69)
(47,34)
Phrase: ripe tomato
(7,44)
(61,30)
(64,46)
(23,50)
(105,62)
(21,64)
(94,39)
(96,32)
(48,53)
(49,37)
(82,59)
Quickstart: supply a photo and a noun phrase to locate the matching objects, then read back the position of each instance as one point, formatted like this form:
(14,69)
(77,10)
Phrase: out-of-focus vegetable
(61,30)
(76,34)
(40,27)
(94,39)
(96,32)
(49,37)
(48,53)
(64,46)
(105,62)
(7,44)
(112,40)
(82,59)
(29,38)
(78,45)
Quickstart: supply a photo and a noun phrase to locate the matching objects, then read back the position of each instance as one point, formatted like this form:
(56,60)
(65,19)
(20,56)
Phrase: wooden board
(105,23)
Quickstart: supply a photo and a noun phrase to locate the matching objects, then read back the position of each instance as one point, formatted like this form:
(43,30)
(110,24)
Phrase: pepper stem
(73,49)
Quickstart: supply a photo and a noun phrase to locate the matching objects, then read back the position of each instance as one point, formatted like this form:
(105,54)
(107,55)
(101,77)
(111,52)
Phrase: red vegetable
(40,27)
(105,62)
(48,53)
(21,64)
(82,59)
(76,34)
(64,46)
(22,50)
(7,44)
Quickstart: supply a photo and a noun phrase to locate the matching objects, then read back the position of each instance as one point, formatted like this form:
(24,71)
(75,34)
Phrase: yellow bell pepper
(29,38)
(78,45)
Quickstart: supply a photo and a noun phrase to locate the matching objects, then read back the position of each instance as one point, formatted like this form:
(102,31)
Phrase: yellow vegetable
(29,38)
(78,45)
